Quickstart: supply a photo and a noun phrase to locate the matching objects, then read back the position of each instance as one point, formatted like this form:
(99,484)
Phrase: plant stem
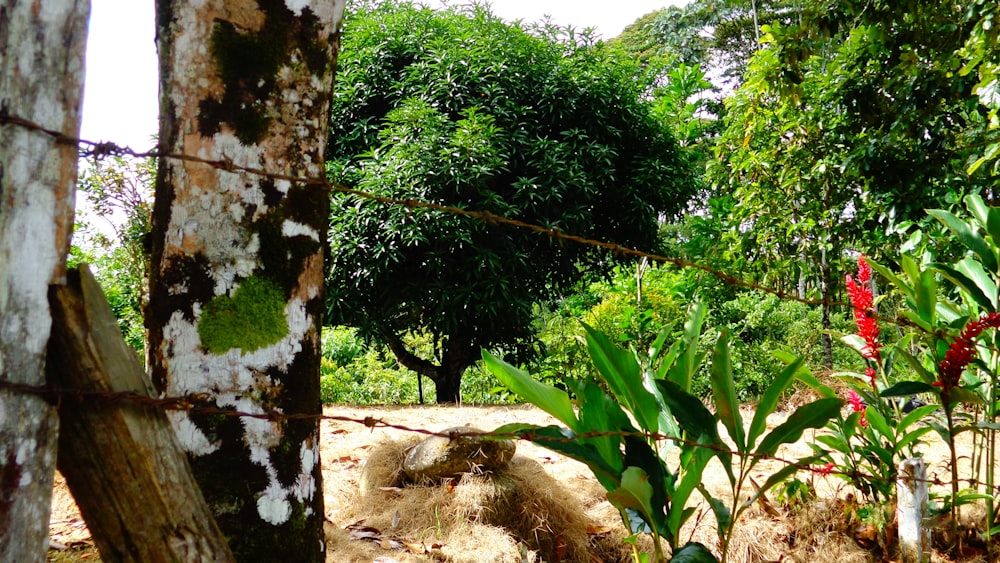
(948,405)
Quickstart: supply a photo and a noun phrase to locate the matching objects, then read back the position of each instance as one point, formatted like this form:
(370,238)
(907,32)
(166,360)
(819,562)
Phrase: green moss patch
(252,318)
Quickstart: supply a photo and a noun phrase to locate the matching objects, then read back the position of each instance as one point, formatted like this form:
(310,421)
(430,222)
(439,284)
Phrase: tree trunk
(826,287)
(236,288)
(122,461)
(41,80)
(448,387)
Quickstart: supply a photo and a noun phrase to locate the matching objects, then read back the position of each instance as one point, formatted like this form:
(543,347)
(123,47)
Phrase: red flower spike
(860,292)
(962,351)
(858,405)
(825,470)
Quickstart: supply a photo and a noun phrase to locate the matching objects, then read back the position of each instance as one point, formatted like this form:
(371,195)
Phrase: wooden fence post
(121,459)
(911,509)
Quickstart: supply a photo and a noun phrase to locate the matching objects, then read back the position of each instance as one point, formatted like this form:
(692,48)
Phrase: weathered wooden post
(122,460)
(911,509)
(42,48)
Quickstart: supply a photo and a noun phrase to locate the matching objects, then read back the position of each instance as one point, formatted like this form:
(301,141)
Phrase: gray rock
(442,457)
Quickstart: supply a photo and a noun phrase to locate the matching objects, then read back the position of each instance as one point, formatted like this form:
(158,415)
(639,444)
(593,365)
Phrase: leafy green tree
(457,107)
(119,193)
(852,124)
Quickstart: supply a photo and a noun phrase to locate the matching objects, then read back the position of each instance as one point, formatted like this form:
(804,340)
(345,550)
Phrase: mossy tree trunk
(236,287)
(42,48)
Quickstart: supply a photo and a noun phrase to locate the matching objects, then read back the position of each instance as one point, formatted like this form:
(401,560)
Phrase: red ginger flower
(962,351)
(860,292)
(858,405)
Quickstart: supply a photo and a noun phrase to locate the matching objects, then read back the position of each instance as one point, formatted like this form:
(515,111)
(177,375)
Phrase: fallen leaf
(599,531)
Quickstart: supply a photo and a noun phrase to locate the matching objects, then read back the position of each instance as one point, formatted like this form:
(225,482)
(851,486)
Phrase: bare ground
(561,513)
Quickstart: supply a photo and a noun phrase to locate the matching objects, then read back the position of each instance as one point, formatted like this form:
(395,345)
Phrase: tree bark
(41,80)
(236,287)
(122,461)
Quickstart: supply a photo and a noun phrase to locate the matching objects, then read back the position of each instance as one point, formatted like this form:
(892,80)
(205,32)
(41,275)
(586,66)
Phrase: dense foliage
(458,108)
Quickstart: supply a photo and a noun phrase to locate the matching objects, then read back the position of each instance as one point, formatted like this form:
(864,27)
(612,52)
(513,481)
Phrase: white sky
(120,97)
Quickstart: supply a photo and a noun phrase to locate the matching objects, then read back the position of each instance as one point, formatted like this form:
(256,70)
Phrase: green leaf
(694,462)
(769,401)
(805,375)
(545,397)
(598,412)
(812,415)
(915,415)
(962,395)
(693,552)
(723,516)
(968,236)
(690,412)
(727,406)
(993,224)
(635,492)
(690,360)
(564,441)
(970,276)
(624,378)
(834,443)
(878,423)
(892,277)
(781,475)
(907,388)
(911,437)
(974,203)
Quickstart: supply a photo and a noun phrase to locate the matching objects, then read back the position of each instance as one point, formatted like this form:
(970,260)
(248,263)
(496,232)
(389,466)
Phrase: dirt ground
(388,524)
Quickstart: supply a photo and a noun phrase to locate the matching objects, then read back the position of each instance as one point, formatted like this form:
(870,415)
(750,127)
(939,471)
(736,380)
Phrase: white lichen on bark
(224,225)
(41,80)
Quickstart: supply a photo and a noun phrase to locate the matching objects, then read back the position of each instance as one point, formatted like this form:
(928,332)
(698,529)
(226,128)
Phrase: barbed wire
(195,403)
(108,149)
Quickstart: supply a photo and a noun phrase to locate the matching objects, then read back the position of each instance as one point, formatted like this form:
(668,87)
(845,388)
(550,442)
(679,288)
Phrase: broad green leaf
(915,415)
(693,467)
(782,474)
(833,442)
(769,401)
(917,366)
(635,492)
(878,423)
(993,225)
(600,413)
(723,516)
(545,397)
(892,277)
(855,342)
(690,412)
(638,453)
(656,349)
(564,441)
(925,293)
(805,375)
(688,363)
(724,392)
(970,276)
(812,415)
(907,388)
(980,212)
(911,437)
(962,395)
(693,552)
(968,236)
(623,376)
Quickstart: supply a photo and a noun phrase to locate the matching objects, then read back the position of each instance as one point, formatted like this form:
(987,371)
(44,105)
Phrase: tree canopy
(460,108)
